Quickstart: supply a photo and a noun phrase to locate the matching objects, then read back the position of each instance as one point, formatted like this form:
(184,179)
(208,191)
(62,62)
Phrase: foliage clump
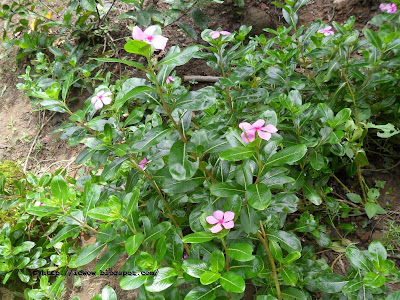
(11,171)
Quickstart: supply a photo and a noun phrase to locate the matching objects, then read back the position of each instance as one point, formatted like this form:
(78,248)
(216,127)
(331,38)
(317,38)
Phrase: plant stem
(352,96)
(341,183)
(83,224)
(264,241)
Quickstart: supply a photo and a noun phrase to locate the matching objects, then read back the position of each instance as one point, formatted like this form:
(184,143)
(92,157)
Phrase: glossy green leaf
(288,155)
(358,259)
(240,251)
(288,240)
(288,276)
(133,243)
(217,261)
(126,62)
(232,282)
(180,166)
(163,280)
(157,231)
(209,277)
(226,189)
(151,138)
(112,168)
(258,196)
(202,293)
(195,267)
(237,153)
(66,232)
(311,194)
(133,282)
(59,188)
(374,280)
(88,254)
(138,47)
(179,58)
(198,237)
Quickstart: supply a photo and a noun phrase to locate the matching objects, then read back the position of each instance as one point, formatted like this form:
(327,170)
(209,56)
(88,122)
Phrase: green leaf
(240,252)
(89,5)
(163,280)
(138,47)
(107,293)
(133,243)
(108,259)
(331,283)
(103,213)
(91,195)
(87,255)
(258,196)
(188,29)
(179,165)
(198,237)
(202,293)
(374,280)
(59,188)
(394,296)
(151,138)
(377,253)
(317,160)
(217,261)
(276,250)
(66,232)
(157,231)
(135,116)
(226,189)
(294,294)
(194,267)
(133,282)
(209,277)
(112,168)
(358,259)
(67,84)
(372,209)
(120,101)
(237,153)
(179,58)
(249,220)
(288,155)
(231,282)
(198,100)
(341,117)
(248,269)
(288,276)
(199,18)
(352,286)
(291,257)
(126,62)
(311,194)
(42,211)
(373,38)
(23,247)
(354,197)
(288,240)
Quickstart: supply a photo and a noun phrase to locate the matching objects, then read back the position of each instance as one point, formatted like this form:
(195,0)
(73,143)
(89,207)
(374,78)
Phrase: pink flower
(143,163)
(221,218)
(122,186)
(169,79)
(216,34)
(184,257)
(390,8)
(158,41)
(100,99)
(326,31)
(249,130)
(38,203)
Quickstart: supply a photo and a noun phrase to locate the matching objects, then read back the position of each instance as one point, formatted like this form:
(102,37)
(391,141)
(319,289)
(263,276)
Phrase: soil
(20,124)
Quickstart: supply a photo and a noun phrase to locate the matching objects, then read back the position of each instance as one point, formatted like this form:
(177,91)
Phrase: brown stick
(200,78)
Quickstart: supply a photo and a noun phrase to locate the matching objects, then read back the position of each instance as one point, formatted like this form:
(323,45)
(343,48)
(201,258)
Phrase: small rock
(377,236)
(365,236)
(263,6)
(258,19)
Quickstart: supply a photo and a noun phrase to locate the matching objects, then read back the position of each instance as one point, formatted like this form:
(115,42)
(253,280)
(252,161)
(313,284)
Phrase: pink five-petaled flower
(158,41)
(326,31)
(169,79)
(143,163)
(390,8)
(221,218)
(249,130)
(216,34)
(100,99)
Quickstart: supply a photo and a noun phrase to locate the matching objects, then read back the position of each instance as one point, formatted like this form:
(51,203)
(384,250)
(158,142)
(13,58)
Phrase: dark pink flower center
(100,96)
(150,38)
(257,128)
(221,221)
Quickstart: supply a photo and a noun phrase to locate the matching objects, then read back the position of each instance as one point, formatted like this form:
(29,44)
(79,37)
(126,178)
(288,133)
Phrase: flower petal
(98,104)
(211,220)
(249,136)
(218,214)
(270,128)
(229,216)
(94,99)
(214,34)
(245,126)
(143,161)
(264,135)
(106,100)
(258,123)
(150,30)
(228,225)
(138,34)
(159,42)
(216,228)
(328,28)
(224,32)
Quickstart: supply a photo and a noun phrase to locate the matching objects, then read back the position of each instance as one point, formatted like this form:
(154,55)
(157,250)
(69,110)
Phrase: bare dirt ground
(20,136)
